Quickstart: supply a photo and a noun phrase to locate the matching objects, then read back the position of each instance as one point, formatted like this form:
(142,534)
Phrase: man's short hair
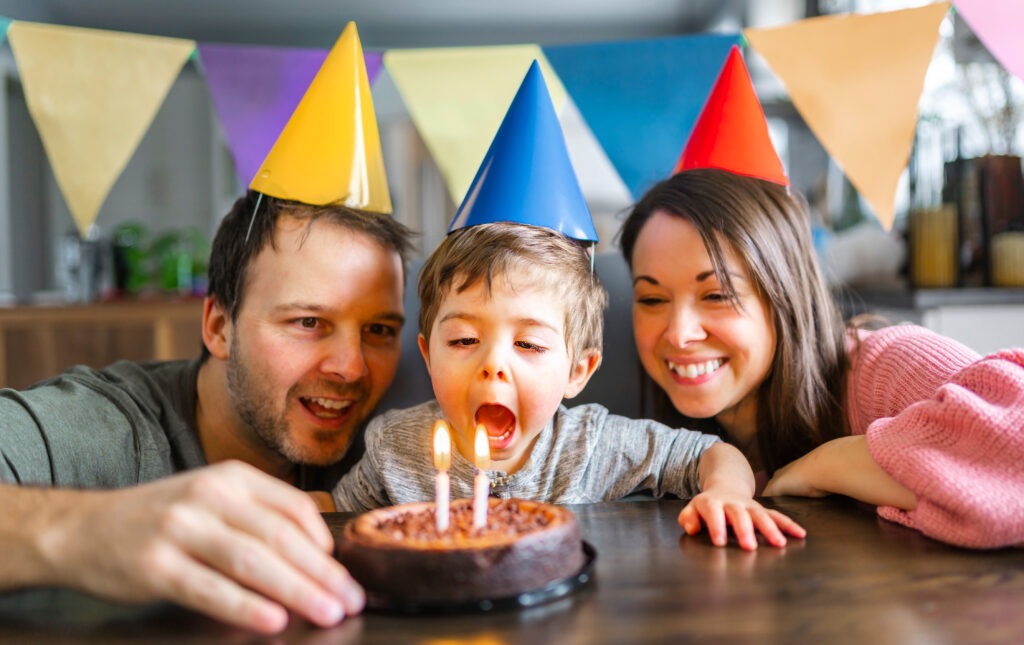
(244,232)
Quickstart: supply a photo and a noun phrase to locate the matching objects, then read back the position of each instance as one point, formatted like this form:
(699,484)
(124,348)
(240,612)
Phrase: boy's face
(500,359)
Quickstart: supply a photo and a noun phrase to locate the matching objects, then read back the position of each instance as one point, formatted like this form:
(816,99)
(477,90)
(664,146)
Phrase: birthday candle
(481,485)
(442,461)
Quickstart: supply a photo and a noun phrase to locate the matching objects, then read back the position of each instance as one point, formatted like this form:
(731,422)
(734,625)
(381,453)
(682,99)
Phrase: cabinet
(37,342)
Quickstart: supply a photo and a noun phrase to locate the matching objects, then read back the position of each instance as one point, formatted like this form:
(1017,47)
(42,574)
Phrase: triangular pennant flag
(526,176)
(329,151)
(641,98)
(857,80)
(255,90)
(456,98)
(731,132)
(374,62)
(997,24)
(5,24)
(92,94)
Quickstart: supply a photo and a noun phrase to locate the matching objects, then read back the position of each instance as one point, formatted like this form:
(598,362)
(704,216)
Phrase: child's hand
(720,508)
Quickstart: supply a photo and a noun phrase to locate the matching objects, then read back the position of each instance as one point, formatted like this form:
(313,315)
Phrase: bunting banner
(857,80)
(641,98)
(5,24)
(92,94)
(997,24)
(457,98)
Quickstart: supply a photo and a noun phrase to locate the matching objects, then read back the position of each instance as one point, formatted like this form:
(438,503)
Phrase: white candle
(481,485)
(442,461)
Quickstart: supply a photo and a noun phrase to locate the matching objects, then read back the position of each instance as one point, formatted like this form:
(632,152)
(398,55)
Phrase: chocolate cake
(397,551)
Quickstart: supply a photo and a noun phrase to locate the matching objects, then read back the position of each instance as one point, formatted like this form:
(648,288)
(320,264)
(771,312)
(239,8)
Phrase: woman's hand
(793,479)
(842,466)
(720,508)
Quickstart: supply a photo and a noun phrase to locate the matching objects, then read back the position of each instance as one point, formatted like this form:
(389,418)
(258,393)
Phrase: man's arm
(841,466)
(226,540)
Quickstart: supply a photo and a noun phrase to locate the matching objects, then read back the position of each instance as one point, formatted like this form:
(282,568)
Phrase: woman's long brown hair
(800,400)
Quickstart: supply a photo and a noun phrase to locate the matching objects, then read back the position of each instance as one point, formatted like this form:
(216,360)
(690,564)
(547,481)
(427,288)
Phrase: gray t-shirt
(585,454)
(124,425)
(120,426)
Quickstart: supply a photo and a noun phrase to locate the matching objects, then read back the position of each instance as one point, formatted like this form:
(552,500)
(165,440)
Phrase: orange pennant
(856,80)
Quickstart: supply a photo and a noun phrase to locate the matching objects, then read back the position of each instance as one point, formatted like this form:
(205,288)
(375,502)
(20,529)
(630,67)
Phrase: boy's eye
(461,342)
(530,346)
(308,322)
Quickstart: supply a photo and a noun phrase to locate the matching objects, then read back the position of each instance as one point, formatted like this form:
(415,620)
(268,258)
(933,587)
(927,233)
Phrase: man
(301,334)
(301,338)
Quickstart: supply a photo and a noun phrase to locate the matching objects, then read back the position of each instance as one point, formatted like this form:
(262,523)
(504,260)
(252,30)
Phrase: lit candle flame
(482,448)
(442,446)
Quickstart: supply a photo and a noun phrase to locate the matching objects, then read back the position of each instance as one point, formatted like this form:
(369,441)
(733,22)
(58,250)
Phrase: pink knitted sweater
(947,424)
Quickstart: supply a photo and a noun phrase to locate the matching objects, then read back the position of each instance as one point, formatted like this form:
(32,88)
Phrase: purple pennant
(373,63)
(256,89)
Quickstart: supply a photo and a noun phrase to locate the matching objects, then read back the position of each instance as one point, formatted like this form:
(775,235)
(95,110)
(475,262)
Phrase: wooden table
(856,578)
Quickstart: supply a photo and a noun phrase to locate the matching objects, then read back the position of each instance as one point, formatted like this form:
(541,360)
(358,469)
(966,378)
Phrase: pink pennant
(997,23)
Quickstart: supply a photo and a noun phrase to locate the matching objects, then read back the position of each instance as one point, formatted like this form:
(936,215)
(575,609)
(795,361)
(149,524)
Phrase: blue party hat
(526,176)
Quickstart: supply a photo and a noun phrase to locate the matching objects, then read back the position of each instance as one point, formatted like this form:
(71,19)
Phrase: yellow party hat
(329,151)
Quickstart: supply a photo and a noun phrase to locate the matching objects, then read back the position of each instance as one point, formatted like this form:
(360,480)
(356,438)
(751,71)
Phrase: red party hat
(731,132)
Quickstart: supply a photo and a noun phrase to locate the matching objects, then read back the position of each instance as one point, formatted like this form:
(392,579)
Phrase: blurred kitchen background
(963,186)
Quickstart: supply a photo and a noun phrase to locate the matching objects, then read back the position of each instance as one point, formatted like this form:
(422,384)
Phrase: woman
(734,324)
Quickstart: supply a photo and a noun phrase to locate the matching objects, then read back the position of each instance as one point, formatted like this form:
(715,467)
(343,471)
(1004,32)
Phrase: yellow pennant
(92,94)
(857,80)
(457,98)
(329,151)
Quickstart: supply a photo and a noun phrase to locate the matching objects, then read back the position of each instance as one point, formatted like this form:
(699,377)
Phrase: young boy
(511,322)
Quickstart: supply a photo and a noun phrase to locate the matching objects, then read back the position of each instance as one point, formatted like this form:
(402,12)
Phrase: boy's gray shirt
(585,454)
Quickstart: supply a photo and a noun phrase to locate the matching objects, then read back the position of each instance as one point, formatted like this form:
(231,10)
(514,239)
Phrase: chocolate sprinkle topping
(505,517)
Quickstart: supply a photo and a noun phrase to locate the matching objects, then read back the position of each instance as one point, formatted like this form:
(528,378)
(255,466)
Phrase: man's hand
(226,540)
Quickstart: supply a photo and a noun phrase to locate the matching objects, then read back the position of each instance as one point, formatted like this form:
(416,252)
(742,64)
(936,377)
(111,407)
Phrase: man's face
(317,340)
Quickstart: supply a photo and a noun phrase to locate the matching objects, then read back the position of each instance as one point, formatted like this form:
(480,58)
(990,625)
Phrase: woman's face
(708,349)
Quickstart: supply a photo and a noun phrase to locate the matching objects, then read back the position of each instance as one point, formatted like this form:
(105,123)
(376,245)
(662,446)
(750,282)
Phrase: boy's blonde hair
(549,259)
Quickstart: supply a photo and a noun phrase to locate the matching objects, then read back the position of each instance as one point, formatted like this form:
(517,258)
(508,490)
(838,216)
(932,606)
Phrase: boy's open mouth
(499,422)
